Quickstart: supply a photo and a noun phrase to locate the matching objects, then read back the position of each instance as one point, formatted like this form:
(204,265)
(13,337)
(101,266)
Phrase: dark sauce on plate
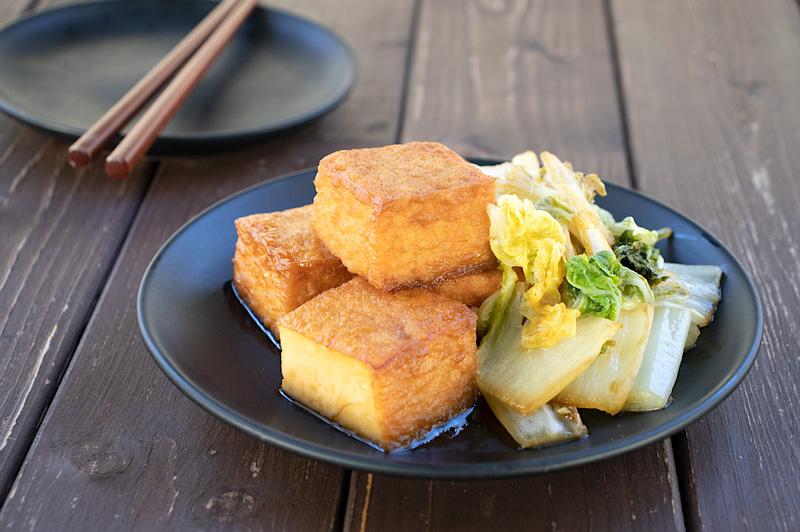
(247,320)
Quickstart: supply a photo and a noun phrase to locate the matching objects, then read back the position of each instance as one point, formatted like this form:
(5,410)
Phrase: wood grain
(494,79)
(609,496)
(713,113)
(61,231)
(710,94)
(121,447)
(497,78)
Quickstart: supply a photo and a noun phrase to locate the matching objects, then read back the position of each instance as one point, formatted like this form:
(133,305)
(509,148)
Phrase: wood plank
(121,447)
(61,231)
(52,266)
(550,87)
(625,493)
(713,100)
(497,78)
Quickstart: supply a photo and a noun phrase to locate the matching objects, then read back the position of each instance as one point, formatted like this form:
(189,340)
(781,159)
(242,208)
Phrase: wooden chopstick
(100,133)
(131,148)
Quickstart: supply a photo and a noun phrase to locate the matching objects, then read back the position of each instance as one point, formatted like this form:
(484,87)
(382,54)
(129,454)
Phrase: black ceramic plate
(205,342)
(63,69)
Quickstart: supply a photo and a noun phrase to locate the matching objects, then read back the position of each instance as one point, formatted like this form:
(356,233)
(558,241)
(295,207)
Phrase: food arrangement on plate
(417,282)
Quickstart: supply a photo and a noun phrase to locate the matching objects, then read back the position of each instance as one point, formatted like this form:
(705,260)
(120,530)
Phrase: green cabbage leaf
(635,233)
(600,285)
(593,285)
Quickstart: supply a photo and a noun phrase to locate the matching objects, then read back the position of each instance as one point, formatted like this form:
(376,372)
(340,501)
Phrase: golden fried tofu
(471,288)
(404,215)
(389,366)
(280,263)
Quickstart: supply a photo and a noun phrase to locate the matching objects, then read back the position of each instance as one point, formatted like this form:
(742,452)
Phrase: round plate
(207,344)
(63,69)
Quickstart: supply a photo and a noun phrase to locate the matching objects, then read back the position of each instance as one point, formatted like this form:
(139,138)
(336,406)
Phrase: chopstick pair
(196,52)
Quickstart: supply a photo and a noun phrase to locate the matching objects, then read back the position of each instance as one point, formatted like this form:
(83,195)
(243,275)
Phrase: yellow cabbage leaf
(519,233)
(549,324)
(524,237)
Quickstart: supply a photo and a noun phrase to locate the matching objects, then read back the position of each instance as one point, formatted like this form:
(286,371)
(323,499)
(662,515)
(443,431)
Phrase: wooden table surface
(694,102)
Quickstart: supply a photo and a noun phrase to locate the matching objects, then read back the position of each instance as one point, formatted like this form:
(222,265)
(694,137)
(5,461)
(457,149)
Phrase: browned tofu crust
(279,263)
(404,215)
(420,346)
(471,288)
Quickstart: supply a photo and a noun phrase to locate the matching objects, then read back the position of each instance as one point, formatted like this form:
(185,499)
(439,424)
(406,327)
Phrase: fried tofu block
(389,366)
(404,215)
(471,288)
(280,263)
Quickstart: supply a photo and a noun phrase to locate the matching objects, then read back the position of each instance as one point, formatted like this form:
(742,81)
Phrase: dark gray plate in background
(62,69)
(208,346)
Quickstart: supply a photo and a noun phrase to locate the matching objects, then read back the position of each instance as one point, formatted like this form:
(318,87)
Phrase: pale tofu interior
(335,385)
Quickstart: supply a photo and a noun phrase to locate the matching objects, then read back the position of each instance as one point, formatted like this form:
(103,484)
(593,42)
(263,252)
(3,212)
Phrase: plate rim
(473,471)
(227,136)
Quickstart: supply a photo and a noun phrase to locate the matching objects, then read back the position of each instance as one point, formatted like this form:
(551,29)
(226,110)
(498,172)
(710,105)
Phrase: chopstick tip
(78,156)
(117,167)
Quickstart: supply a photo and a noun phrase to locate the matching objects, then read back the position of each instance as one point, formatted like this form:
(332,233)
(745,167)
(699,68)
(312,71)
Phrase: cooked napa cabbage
(526,379)
(520,235)
(701,290)
(573,276)
(599,285)
(636,233)
(552,423)
(523,237)
(578,192)
(593,285)
(605,384)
